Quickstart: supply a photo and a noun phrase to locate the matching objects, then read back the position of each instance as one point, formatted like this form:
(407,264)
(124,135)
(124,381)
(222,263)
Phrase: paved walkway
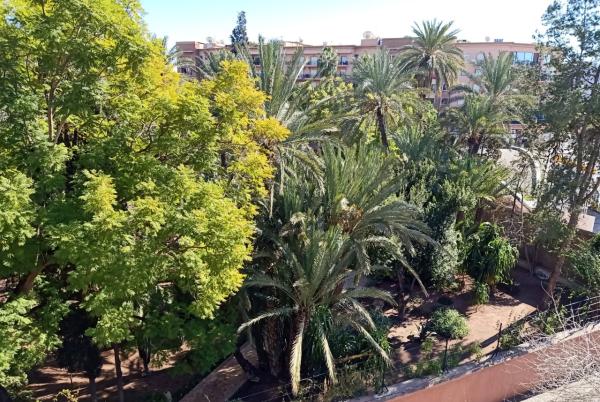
(224,381)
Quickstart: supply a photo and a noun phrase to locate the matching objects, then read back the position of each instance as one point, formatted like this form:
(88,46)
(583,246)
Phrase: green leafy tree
(434,55)
(570,107)
(121,182)
(447,323)
(585,263)
(28,331)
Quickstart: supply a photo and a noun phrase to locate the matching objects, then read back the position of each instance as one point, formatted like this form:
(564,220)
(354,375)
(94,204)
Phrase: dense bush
(489,257)
(447,324)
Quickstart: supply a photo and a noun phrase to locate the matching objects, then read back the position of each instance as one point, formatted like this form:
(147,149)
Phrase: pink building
(473,52)
(523,53)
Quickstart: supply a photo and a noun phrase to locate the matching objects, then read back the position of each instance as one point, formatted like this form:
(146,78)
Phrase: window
(256,60)
(344,60)
(523,57)
(480,57)
(314,60)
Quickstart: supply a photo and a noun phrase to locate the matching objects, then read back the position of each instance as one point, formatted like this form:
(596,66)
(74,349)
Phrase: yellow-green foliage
(120,182)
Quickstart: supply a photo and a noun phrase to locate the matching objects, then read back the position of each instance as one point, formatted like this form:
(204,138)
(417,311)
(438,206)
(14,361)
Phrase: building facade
(473,53)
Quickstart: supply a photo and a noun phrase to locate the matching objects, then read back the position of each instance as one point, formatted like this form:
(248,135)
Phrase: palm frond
(280,312)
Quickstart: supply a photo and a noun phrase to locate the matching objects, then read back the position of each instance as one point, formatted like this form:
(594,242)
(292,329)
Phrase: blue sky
(341,21)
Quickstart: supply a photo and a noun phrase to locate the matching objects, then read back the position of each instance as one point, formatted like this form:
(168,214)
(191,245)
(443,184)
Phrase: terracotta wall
(490,384)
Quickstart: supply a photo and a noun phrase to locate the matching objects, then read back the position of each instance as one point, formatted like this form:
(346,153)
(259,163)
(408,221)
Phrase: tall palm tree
(477,120)
(314,266)
(434,53)
(343,200)
(276,76)
(383,87)
(498,79)
(496,76)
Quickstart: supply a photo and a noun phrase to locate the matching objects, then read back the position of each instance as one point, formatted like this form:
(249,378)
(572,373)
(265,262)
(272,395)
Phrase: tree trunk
(401,294)
(382,130)
(564,247)
(93,395)
(26,283)
(272,345)
(4,397)
(145,355)
(261,353)
(50,122)
(119,372)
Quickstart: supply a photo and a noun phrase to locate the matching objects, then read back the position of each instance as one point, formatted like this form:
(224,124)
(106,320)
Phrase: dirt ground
(49,380)
(483,320)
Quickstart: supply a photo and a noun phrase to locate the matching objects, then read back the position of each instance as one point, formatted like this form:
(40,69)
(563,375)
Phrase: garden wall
(508,377)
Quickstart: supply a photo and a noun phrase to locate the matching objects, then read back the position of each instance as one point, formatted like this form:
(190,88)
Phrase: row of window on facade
(313,74)
(310,61)
(518,57)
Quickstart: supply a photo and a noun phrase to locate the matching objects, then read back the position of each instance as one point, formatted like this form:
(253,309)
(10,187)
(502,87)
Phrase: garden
(352,232)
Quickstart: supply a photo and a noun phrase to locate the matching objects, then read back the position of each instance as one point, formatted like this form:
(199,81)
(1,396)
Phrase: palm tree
(328,62)
(384,86)
(313,268)
(498,79)
(479,119)
(496,76)
(340,198)
(435,55)
(209,66)
(276,77)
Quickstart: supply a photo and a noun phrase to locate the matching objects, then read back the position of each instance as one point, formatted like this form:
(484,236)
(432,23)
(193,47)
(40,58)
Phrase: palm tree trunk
(401,294)
(382,130)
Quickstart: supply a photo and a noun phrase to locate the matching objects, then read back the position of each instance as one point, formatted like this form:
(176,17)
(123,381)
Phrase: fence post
(497,350)
(445,364)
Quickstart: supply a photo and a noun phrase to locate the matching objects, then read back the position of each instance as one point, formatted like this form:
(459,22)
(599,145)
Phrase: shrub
(490,256)
(511,337)
(448,324)
(429,364)
(481,294)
